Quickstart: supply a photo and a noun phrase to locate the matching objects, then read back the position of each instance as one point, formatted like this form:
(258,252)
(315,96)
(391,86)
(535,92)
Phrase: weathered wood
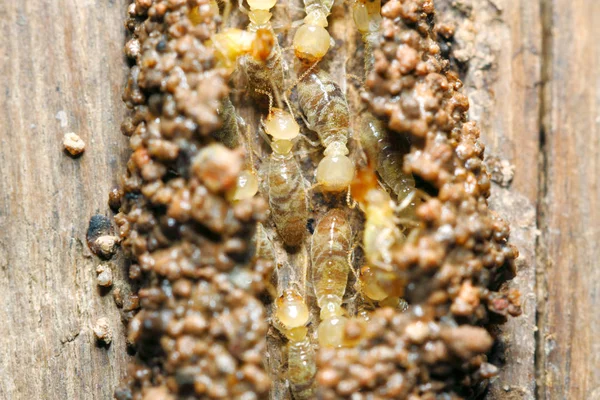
(61,70)
(569,351)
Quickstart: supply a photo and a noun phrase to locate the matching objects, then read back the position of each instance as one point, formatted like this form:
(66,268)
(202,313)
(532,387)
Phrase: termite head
(369,286)
(263,43)
(265,5)
(335,171)
(291,309)
(281,125)
(311,43)
(367,15)
(230,44)
(331,331)
(246,186)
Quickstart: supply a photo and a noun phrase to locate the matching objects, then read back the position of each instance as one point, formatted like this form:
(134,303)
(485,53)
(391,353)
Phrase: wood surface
(61,70)
(569,219)
(533,79)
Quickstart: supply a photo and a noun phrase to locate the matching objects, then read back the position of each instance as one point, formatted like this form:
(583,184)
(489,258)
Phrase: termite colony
(289,241)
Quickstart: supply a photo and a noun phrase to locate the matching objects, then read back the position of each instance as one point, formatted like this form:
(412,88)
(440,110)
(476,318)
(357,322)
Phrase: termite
(387,157)
(381,233)
(367,18)
(311,41)
(286,190)
(324,105)
(331,243)
(256,49)
(291,318)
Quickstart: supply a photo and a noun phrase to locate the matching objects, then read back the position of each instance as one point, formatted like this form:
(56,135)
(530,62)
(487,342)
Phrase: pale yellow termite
(367,18)
(381,233)
(287,194)
(324,105)
(291,317)
(331,243)
(255,49)
(311,40)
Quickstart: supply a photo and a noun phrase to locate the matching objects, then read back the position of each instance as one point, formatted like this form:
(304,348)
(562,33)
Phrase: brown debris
(204,331)
(102,331)
(73,144)
(106,246)
(105,276)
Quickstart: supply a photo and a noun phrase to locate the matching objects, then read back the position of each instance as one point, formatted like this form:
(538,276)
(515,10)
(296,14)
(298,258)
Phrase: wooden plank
(569,320)
(500,42)
(61,70)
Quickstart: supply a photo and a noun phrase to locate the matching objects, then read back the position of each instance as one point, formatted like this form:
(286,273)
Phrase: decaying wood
(62,70)
(569,348)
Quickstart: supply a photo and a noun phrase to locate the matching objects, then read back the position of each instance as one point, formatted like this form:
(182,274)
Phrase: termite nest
(288,239)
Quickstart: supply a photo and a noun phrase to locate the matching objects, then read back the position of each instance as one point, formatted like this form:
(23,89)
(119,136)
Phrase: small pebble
(102,330)
(105,277)
(107,245)
(73,144)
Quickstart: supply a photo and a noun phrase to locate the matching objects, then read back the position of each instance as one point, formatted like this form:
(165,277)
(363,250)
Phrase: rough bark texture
(531,70)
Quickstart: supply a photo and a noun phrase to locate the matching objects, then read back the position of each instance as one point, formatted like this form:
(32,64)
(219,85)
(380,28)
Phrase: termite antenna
(250,149)
(289,106)
(243,9)
(316,185)
(266,93)
(349,200)
(264,135)
(311,142)
(227,11)
(301,78)
(350,259)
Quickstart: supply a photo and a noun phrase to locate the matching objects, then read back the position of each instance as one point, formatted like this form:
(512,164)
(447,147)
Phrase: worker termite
(291,318)
(255,49)
(324,105)
(247,181)
(312,41)
(381,233)
(302,366)
(367,18)
(331,243)
(387,158)
(229,133)
(286,190)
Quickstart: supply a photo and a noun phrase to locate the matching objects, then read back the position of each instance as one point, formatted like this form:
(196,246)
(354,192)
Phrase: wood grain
(61,70)
(569,203)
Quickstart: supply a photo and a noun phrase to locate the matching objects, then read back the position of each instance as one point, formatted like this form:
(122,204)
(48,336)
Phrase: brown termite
(286,189)
(381,232)
(255,49)
(387,158)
